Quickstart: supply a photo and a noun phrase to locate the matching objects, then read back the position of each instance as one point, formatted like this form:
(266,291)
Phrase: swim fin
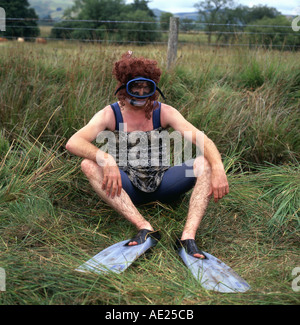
(118,257)
(213,274)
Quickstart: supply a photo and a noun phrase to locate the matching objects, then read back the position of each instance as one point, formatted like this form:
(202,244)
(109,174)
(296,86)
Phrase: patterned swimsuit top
(140,153)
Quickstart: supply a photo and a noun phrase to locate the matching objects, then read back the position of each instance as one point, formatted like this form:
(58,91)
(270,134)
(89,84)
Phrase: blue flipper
(116,258)
(214,274)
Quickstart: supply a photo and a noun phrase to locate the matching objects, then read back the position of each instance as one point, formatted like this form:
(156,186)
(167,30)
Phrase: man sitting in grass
(125,180)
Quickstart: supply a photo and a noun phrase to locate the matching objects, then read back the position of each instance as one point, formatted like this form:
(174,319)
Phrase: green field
(246,101)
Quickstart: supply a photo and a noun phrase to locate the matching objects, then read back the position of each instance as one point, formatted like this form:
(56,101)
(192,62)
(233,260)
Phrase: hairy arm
(80,144)
(219,184)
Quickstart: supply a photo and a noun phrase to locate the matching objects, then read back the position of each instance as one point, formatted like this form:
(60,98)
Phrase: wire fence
(162,31)
(278,36)
(139,22)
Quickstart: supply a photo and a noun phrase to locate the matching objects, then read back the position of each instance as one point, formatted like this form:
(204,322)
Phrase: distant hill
(195,15)
(55,8)
(187,15)
(181,15)
(157,12)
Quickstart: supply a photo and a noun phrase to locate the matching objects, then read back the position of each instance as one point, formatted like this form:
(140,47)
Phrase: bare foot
(134,242)
(192,248)
(199,256)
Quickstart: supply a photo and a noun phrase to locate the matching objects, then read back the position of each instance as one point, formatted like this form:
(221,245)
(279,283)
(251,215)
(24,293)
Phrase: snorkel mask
(140,88)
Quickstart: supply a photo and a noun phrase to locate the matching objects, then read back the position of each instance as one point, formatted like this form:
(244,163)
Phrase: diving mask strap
(121,87)
(161,93)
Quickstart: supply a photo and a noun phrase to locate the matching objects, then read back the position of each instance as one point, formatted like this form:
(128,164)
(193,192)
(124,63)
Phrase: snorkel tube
(134,102)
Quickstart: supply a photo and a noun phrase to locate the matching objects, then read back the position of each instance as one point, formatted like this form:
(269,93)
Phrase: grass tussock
(51,221)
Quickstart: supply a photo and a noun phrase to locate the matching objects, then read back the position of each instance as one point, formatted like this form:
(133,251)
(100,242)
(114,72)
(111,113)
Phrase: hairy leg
(199,199)
(122,204)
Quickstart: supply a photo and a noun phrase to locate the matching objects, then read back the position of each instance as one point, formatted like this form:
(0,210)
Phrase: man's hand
(219,184)
(112,181)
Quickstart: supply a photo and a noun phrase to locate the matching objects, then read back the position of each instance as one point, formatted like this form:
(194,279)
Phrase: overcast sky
(286,7)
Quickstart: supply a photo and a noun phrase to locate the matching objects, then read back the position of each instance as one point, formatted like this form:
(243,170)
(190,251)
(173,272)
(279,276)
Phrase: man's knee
(201,166)
(89,168)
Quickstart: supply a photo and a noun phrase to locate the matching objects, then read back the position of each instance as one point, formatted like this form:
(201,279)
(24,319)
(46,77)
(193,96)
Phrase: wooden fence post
(173,41)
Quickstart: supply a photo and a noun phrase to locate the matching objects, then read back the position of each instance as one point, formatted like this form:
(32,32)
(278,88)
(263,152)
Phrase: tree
(212,12)
(241,25)
(275,35)
(164,20)
(96,13)
(17,28)
(143,6)
(260,12)
(243,15)
(187,24)
(92,12)
(139,32)
(233,20)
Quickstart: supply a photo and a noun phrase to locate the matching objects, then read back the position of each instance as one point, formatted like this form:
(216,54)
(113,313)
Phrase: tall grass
(236,97)
(51,221)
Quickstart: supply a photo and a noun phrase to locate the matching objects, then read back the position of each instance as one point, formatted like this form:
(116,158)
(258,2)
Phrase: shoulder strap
(118,115)
(156,117)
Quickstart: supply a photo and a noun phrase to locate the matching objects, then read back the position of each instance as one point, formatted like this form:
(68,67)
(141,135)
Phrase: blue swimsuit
(150,183)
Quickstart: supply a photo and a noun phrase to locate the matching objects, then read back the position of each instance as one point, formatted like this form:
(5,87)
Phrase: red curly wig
(130,67)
